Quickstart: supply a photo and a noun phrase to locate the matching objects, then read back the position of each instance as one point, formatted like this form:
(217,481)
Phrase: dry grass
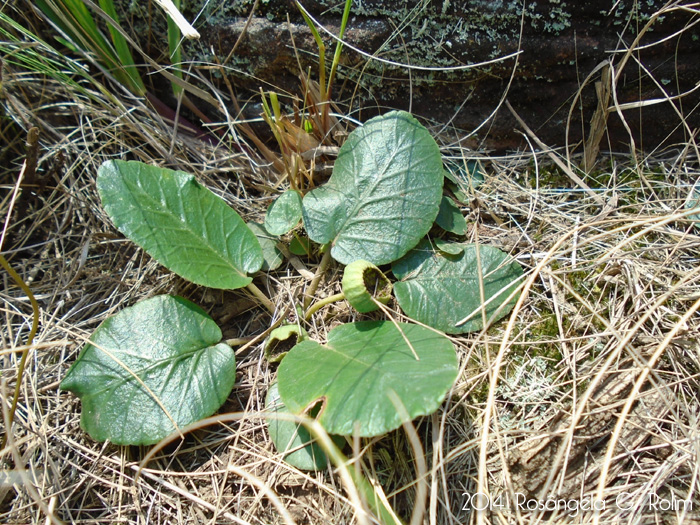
(587,391)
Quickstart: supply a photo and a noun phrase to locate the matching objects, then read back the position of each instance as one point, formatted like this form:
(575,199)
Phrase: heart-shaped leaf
(151,367)
(180,223)
(450,218)
(286,435)
(272,257)
(283,214)
(384,193)
(364,371)
(441,290)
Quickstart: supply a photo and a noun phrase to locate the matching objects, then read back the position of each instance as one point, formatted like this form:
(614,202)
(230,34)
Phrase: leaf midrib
(360,197)
(158,206)
(140,372)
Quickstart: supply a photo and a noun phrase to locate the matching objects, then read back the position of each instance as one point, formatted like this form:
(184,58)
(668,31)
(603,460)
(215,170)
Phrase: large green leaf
(384,193)
(440,290)
(180,223)
(292,438)
(364,370)
(284,213)
(154,364)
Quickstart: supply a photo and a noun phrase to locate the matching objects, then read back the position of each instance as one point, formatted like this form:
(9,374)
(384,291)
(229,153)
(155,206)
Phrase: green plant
(81,32)
(73,18)
(313,127)
(370,376)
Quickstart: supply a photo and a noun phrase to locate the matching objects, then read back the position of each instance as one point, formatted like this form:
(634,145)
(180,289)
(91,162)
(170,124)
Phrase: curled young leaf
(281,340)
(363,281)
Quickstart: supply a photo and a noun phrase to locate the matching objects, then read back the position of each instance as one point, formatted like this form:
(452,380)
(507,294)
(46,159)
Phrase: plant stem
(25,353)
(338,48)
(323,302)
(238,341)
(258,293)
(313,286)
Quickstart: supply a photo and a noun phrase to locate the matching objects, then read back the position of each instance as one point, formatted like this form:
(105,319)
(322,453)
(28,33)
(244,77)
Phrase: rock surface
(560,44)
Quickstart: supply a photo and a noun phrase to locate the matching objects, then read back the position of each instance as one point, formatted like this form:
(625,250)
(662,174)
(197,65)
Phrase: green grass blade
(339,44)
(41,58)
(321,52)
(74,19)
(122,48)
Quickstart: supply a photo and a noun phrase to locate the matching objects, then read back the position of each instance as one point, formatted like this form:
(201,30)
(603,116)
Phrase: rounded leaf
(440,290)
(303,453)
(364,369)
(284,213)
(152,366)
(180,223)
(384,193)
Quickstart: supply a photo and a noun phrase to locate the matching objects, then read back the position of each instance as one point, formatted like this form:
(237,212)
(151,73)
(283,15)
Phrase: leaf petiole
(260,296)
(313,286)
(323,302)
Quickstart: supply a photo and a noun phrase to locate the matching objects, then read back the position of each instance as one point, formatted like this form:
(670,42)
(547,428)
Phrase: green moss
(548,177)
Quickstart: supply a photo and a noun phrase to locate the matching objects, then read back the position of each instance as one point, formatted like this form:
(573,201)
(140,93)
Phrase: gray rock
(562,42)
